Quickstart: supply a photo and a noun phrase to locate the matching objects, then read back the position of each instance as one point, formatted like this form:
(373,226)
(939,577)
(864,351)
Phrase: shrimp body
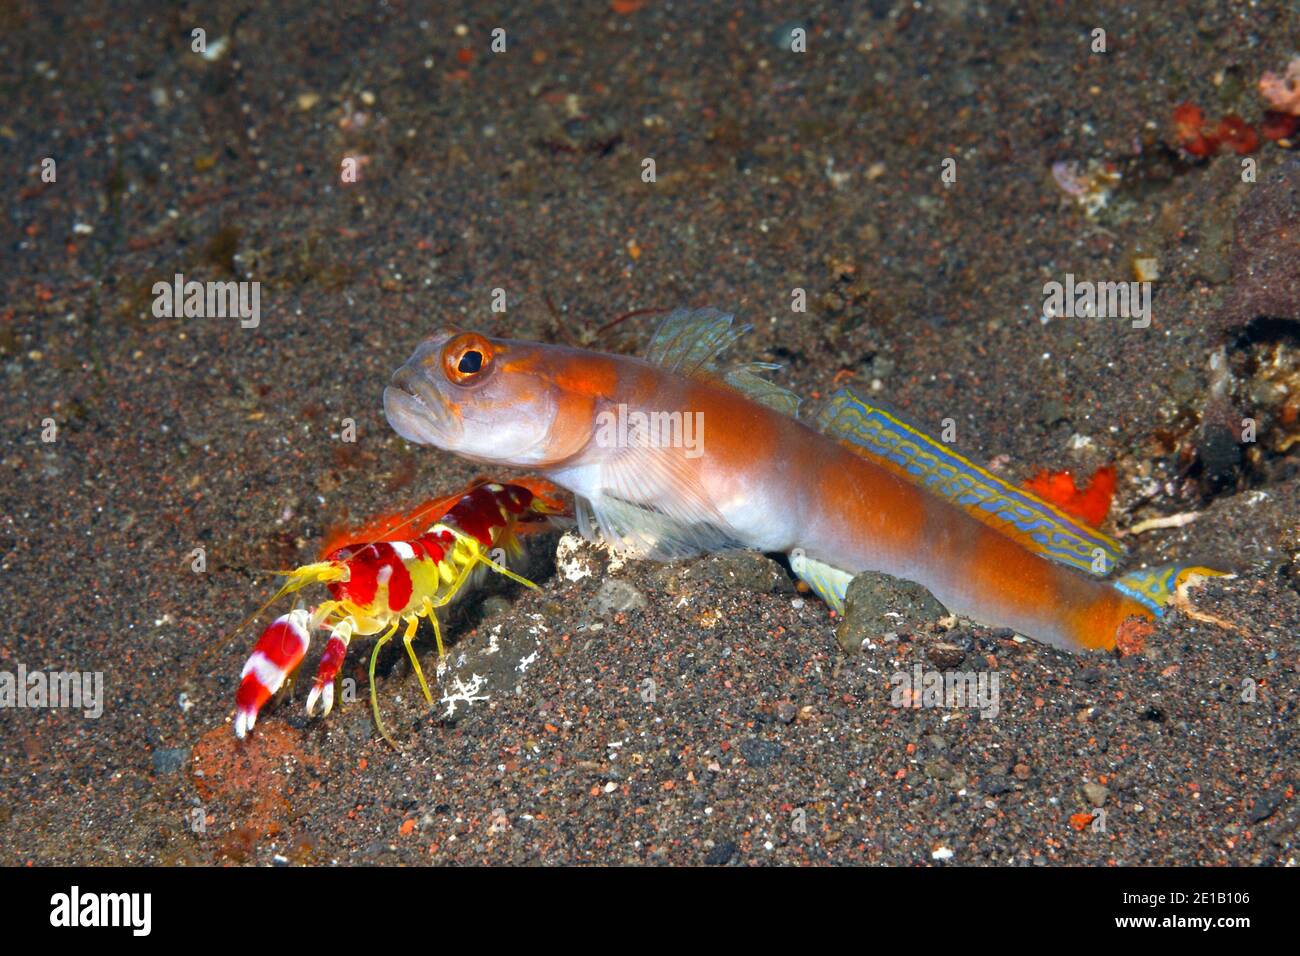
(389,578)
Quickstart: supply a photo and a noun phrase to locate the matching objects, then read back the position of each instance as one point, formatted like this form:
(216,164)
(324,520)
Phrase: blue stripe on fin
(877,435)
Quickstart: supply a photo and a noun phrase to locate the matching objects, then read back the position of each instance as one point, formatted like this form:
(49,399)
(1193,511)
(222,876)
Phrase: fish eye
(466,358)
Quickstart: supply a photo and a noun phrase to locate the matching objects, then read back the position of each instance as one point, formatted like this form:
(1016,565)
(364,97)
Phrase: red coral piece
(1237,133)
(1191,133)
(1091,502)
(1188,120)
(1081,821)
(1277,125)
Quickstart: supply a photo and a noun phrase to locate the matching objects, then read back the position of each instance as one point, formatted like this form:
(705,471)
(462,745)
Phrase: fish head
(489,400)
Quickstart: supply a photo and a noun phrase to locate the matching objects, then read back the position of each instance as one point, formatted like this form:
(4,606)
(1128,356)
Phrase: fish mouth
(417,410)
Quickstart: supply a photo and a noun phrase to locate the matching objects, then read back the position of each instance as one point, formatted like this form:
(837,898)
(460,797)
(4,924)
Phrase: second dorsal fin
(691,342)
(875,434)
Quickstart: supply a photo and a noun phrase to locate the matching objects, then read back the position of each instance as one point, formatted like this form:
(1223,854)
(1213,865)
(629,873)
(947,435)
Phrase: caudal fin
(1156,587)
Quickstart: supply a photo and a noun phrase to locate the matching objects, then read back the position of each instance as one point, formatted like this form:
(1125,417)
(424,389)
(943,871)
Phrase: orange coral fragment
(1199,139)
(1080,821)
(1091,502)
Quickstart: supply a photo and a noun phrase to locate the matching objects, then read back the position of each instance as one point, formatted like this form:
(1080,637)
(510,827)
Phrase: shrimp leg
(374,698)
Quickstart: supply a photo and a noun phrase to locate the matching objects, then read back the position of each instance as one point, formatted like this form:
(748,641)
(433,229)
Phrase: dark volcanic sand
(521,171)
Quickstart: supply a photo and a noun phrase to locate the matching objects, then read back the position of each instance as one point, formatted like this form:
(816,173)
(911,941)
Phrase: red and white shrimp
(398,568)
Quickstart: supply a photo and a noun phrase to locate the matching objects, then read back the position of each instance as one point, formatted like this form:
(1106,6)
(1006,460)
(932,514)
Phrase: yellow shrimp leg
(412,625)
(476,556)
(430,611)
(374,698)
(502,569)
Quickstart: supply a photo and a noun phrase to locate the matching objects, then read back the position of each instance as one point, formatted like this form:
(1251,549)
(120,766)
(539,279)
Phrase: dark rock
(1265,805)
(997,785)
(872,597)
(170,759)
(721,854)
(945,656)
(1220,453)
(746,570)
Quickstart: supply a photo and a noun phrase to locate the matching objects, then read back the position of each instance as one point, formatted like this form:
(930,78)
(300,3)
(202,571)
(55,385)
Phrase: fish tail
(1155,588)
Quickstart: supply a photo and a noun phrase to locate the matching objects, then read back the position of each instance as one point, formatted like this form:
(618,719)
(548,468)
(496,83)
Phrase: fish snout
(415,406)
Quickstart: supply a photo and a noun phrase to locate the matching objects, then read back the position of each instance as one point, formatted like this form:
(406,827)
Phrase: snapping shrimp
(396,570)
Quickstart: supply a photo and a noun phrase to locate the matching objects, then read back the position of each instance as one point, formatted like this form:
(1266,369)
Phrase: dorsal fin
(745,379)
(887,440)
(691,342)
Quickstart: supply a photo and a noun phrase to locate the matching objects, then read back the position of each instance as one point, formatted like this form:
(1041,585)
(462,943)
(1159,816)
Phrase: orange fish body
(674,454)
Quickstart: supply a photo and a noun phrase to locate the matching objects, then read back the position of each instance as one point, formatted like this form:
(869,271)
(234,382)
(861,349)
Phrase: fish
(681,451)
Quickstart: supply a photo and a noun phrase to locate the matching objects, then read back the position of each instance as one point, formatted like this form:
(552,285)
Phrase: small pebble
(1096,794)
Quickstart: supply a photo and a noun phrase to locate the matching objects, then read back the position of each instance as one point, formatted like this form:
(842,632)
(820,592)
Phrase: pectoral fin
(650,505)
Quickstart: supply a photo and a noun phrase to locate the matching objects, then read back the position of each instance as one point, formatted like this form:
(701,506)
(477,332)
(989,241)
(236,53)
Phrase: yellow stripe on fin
(910,453)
